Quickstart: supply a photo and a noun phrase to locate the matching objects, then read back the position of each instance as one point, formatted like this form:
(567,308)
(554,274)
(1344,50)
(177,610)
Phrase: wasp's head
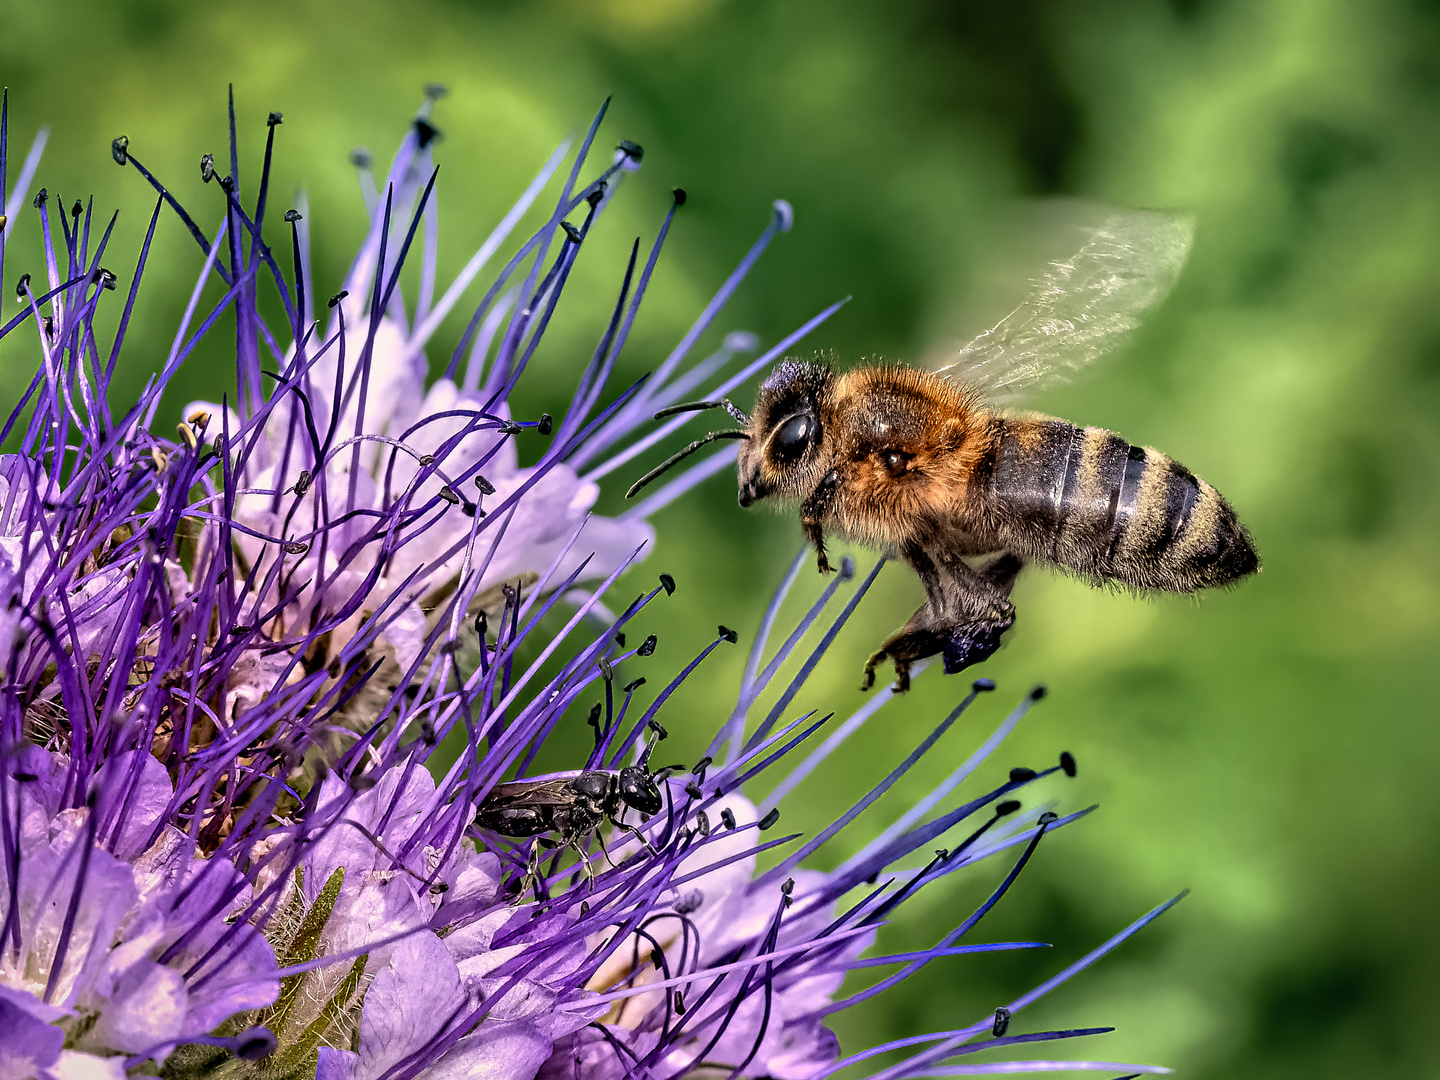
(785,452)
(639,791)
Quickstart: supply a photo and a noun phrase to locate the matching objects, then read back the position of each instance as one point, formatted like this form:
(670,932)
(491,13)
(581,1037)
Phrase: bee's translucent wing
(1081,307)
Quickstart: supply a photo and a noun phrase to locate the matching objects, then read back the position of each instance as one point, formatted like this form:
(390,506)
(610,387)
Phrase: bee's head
(639,791)
(784,454)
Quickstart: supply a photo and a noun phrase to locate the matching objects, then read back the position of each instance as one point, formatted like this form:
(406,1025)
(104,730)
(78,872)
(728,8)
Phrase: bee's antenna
(675,459)
(697,406)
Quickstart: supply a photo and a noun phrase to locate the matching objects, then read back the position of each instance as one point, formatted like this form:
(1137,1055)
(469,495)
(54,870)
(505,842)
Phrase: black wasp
(574,806)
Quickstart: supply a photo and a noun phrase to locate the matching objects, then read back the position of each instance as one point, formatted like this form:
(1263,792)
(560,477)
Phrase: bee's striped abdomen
(1086,499)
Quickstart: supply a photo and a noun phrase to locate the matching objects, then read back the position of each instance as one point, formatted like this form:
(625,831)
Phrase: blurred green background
(1273,748)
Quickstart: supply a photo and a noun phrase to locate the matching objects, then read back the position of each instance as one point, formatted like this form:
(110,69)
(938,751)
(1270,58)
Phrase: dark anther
(788,887)
(1002,1022)
(227,184)
(942,853)
(425,132)
(595,196)
(107,279)
(690,901)
(728,817)
(469,509)
(694,790)
(27,777)
(338,297)
(666,581)
(509,427)
(1067,763)
(21,286)
(633,685)
(427,731)
(48,323)
(1038,693)
(482,624)
(439,888)
(237,630)
(594,718)
(679,1003)
(584,908)
(435,91)
(1020,774)
(729,635)
(680,195)
(120,149)
(486,488)
(360,158)
(255,1043)
(873,878)
(41,198)
(981,686)
(701,766)
(302,485)
(647,647)
(702,822)
(275,119)
(293,216)
(634,151)
(571,231)
(77,209)
(1049,816)
(659,729)
(448,494)
(1009,806)
(207,167)
(769,819)
(620,639)
(295,547)
(546,424)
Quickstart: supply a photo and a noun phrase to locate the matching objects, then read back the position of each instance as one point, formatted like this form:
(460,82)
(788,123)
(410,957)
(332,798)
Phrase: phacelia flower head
(236,631)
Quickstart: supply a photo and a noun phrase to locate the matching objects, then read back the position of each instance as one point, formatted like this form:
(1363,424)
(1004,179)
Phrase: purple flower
(93,935)
(230,653)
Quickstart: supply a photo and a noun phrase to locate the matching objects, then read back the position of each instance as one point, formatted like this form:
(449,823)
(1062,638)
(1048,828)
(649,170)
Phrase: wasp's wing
(1081,307)
(529,793)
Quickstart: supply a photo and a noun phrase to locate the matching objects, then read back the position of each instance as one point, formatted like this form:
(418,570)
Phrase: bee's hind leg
(1000,572)
(962,619)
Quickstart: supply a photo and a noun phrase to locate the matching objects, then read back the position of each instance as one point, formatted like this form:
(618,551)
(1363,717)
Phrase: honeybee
(928,467)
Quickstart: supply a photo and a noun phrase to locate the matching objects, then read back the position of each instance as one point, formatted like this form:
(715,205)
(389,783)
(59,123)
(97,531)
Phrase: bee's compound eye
(793,437)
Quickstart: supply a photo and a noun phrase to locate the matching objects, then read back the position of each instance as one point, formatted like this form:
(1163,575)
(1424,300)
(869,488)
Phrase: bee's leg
(965,613)
(1000,572)
(533,878)
(574,842)
(633,831)
(813,512)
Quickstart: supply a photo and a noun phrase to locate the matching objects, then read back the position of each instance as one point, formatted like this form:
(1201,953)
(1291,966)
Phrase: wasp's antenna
(697,406)
(675,459)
